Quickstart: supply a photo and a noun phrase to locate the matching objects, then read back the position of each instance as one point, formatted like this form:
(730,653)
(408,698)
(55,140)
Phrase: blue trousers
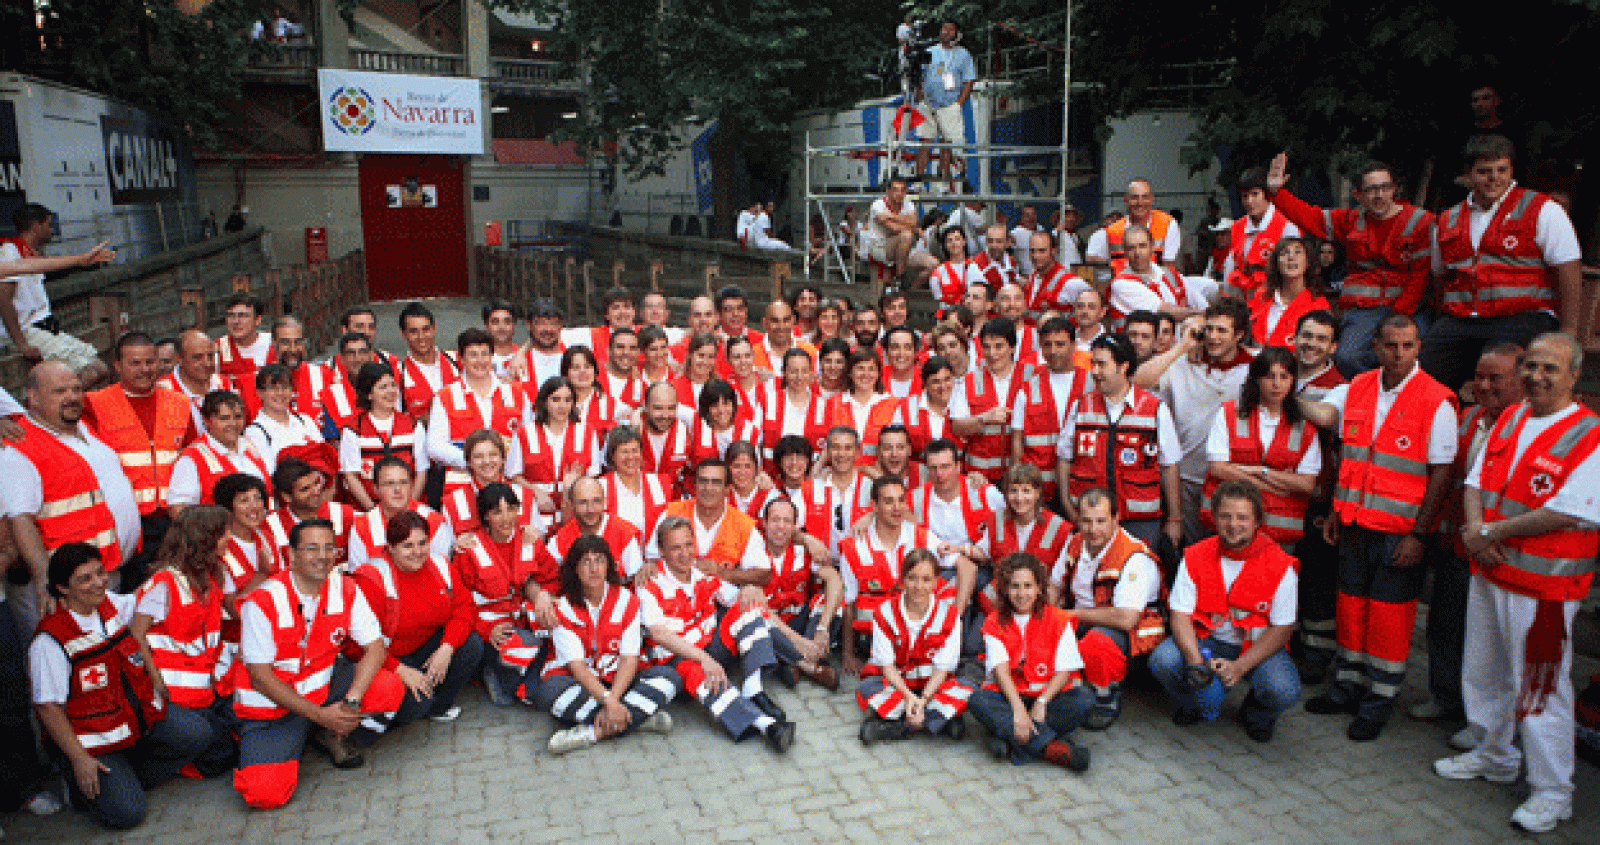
(157,757)
(1063,715)
(1274,682)
(463,665)
(1447,626)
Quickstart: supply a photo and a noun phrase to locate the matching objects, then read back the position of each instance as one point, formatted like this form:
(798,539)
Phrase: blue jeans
(1274,682)
(1355,354)
(1064,714)
(1450,351)
(157,757)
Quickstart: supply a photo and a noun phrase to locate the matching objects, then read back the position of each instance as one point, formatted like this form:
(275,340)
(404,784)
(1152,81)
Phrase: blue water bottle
(1210,697)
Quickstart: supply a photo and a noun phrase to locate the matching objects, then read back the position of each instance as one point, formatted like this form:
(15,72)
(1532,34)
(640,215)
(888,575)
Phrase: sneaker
(780,735)
(572,739)
(1066,755)
(341,753)
(1106,709)
(1467,738)
(45,803)
(1183,717)
(876,728)
(659,722)
(1469,767)
(1541,814)
(956,728)
(1431,711)
(1364,730)
(1327,705)
(450,715)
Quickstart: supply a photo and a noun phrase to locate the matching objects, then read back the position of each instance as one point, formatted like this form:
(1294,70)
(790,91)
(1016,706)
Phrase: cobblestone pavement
(488,778)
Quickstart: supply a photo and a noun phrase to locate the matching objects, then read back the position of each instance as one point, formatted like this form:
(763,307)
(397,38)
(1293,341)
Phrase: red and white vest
(1031,654)
(989,450)
(1247,603)
(1285,515)
(1124,456)
(111,701)
(416,393)
(1506,273)
(302,659)
(211,464)
(601,635)
(187,645)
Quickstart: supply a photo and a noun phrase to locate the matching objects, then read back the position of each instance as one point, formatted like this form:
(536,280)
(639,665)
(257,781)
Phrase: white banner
(394,113)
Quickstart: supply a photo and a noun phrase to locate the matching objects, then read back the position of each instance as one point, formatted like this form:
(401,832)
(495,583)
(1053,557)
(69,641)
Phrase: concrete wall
(288,200)
(530,192)
(1149,145)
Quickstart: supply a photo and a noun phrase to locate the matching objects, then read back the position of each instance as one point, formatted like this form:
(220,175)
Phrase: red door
(414,225)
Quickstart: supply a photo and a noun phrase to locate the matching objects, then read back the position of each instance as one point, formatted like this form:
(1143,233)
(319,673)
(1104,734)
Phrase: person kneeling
(1233,608)
(916,643)
(293,627)
(1033,699)
(679,610)
(594,682)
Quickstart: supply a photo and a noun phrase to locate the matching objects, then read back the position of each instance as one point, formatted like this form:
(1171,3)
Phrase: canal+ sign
(395,113)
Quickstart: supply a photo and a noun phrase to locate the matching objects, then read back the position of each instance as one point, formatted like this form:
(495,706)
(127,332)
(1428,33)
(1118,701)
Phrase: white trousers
(64,347)
(1491,675)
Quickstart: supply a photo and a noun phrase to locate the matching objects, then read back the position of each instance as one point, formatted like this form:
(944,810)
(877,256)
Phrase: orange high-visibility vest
(147,457)
(74,508)
(1151,628)
(1383,475)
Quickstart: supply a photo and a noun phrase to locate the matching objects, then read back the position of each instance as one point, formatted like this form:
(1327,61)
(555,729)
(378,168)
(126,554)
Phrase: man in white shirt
(25,318)
(1106,245)
(1088,314)
(747,219)
(761,230)
(1021,236)
(891,233)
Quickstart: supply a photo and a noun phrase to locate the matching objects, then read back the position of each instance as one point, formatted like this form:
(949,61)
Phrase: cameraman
(947,79)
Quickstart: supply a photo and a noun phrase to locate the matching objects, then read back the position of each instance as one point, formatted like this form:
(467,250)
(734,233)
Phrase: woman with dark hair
(833,358)
(952,341)
(1330,259)
(926,415)
(656,348)
(394,480)
(277,425)
(558,448)
(1033,699)
(249,555)
(513,580)
(699,368)
(864,407)
(633,495)
(949,280)
(910,683)
(1294,288)
(749,489)
(830,324)
(742,374)
(594,682)
(427,620)
(96,697)
(1263,440)
(487,463)
(221,450)
(596,409)
(791,405)
(719,423)
(792,457)
(380,430)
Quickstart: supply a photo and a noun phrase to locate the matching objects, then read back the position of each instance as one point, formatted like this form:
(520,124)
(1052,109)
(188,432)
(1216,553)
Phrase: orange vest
(1159,221)
(1124,456)
(1151,628)
(187,645)
(1247,603)
(111,701)
(1506,273)
(1383,475)
(302,660)
(727,547)
(74,508)
(989,450)
(1285,515)
(1032,653)
(147,457)
(1556,565)
(880,414)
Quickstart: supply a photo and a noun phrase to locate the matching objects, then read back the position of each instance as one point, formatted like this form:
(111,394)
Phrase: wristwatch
(353,704)
(1483,530)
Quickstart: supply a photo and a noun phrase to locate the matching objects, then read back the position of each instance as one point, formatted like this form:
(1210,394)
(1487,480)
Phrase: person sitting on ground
(910,683)
(803,597)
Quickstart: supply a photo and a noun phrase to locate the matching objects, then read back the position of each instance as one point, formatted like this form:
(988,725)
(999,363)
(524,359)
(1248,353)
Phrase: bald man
(778,322)
(1106,245)
(702,318)
(196,374)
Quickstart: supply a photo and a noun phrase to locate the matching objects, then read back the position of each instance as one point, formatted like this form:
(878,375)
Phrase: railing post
(111,311)
(571,271)
(616,272)
(656,269)
(713,271)
(780,274)
(274,283)
(588,291)
(195,299)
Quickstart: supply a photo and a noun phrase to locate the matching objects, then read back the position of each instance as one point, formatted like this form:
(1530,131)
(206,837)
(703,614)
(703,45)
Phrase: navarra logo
(351,109)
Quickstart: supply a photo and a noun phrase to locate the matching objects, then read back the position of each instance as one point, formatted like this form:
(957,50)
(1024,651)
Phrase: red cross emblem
(1402,443)
(1041,669)
(336,636)
(1262,607)
(1542,484)
(1086,444)
(1510,242)
(91,678)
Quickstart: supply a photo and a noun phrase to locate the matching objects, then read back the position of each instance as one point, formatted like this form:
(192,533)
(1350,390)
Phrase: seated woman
(512,579)
(1033,699)
(1233,608)
(910,684)
(221,450)
(393,483)
(96,700)
(381,430)
(1263,440)
(177,623)
(427,617)
(488,462)
(557,448)
(594,682)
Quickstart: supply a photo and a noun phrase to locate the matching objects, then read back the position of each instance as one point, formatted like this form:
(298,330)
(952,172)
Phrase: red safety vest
(1124,456)
(918,419)
(1151,628)
(989,450)
(1247,603)
(211,464)
(949,281)
(147,457)
(914,650)
(460,507)
(187,645)
(975,510)
(372,529)
(688,613)
(705,446)
(1383,475)
(1556,565)
(1285,515)
(375,445)
(1166,278)
(310,382)
(656,491)
(541,464)
(339,403)
(1251,255)
(233,363)
(461,409)
(280,522)
(302,660)
(1378,272)
(1505,274)
(1159,221)
(1046,290)
(237,561)
(1031,654)
(1282,332)
(74,508)
(617,533)
(774,404)
(790,590)
(877,572)
(820,495)
(601,636)
(1041,425)
(497,584)
(601,413)
(111,701)
(1046,541)
(996,273)
(415,391)
(673,456)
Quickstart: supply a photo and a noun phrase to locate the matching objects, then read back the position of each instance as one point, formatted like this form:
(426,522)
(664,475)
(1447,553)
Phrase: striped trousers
(1376,608)
(875,695)
(567,700)
(743,645)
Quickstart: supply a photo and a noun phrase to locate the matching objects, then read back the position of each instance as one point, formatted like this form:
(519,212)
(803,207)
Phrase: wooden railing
(424,64)
(525,72)
(289,57)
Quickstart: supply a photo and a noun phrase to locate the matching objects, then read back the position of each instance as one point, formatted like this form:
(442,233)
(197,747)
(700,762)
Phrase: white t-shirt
(1557,240)
(995,656)
(48,667)
(1196,391)
(1169,449)
(31,299)
(1060,387)
(1441,434)
(1284,599)
(880,232)
(269,436)
(945,658)
(23,490)
(1099,248)
(1580,496)
(184,486)
(569,647)
(1218,448)
(257,351)
(255,638)
(1138,586)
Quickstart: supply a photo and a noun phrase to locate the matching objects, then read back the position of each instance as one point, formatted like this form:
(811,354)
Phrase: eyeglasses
(711,482)
(1384,188)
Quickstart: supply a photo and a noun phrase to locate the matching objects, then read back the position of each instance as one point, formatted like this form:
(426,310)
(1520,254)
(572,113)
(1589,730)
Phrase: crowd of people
(221,560)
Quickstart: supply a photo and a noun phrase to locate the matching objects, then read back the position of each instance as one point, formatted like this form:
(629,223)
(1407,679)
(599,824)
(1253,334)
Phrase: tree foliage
(152,55)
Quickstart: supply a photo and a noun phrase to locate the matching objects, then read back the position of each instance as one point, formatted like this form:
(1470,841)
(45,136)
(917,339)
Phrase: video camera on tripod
(915,52)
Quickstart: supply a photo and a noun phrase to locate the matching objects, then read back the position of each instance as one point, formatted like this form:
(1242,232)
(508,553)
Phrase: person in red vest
(1293,287)
(631,494)
(426,369)
(1106,246)
(727,543)
(1530,516)
(1254,238)
(1039,411)
(557,448)
(1034,697)
(541,358)
(1508,260)
(864,407)
(1385,240)
(870,564)
(957,509)
(243,349)
(294,627)
(910,683)
(1233,609)
(222,451)
(303,492)
(338,401)
(840,493)
(393,480)
(804,596)
(981,408)
(95,697)
(379,429)
(196,372)
(595,682)
(1399,430)
(663,437)
(480,400)
(500,324)
(1144,285)
(594,514)
(1052,286)
(426,614)
(1316,340)
(147,426)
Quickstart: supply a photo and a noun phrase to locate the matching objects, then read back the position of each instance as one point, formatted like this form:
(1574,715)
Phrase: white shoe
(1468,767)
(450,715)
(571,739)
(1541,813)
(658,722)
(44,804)
(1467,738)
(1425,711)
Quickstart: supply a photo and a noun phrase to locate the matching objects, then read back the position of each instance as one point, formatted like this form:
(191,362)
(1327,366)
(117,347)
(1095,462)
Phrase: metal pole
(1066,109)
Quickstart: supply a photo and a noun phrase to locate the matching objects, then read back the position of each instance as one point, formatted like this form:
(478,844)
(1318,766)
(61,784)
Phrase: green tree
(751,65)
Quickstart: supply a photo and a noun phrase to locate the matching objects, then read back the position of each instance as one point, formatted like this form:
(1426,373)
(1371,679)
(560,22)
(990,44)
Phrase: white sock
(752,684)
